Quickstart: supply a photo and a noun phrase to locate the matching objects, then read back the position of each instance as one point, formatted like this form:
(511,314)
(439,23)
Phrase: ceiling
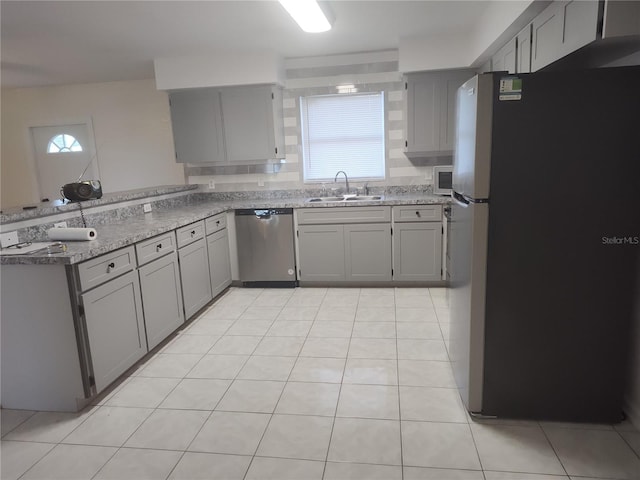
(63,42)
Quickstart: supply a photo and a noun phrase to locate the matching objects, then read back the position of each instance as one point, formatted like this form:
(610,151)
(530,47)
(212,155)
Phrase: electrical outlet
(8,239)
(146,207)
(261,183)
(212,184)
(60,225)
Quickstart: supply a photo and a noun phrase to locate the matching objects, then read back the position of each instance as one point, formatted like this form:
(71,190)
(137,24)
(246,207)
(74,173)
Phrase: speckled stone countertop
(15,214)
(135,229)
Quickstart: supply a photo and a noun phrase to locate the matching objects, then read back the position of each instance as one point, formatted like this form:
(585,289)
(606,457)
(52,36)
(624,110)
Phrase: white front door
(62,153)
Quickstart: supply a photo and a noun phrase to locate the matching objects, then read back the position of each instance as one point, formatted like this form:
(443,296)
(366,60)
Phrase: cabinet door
(194,273)
(197,126)
(368,252)
(219,262)
(115,327)
(523,41)
(505,59)
(161,298)
(449,84)
(417,251)
(547,36)
(248,123)
(321,250)
(423,113)
(278,121)
(580,24)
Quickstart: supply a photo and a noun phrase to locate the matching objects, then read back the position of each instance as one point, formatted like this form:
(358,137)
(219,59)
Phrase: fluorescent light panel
(308,14)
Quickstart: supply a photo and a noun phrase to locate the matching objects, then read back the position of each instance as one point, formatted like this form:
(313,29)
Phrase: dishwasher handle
(263,216)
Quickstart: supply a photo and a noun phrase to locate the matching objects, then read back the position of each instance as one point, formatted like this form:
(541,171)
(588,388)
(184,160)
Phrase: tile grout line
(335,414)
(279,397)
(399,398)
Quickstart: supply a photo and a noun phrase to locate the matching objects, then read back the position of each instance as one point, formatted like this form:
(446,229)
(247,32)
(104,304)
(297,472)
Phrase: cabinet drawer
(96,271)
(417,213)
(319,216)
(215,223)
(190,233)
(155,247)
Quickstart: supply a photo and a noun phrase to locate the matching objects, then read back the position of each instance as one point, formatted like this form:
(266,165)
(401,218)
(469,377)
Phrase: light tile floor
(306,383)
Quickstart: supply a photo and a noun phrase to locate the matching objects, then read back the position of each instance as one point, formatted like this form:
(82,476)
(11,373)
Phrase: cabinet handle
(110,267)
(158,247)
(193,233)
(417,214)
(217,222)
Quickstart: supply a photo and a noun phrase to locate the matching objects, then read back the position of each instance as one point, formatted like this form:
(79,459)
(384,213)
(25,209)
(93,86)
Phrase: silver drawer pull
(110,267)
(158,247)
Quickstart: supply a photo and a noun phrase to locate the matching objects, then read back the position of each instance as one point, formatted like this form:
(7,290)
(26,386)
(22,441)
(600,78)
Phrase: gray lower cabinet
(367,248)
(219,262)
(417,243)
(322,256)
(194,274)
(161,298)
(351,244)
(115,327)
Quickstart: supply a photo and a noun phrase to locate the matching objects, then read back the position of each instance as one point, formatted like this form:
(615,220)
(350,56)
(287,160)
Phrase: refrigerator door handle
(459,199)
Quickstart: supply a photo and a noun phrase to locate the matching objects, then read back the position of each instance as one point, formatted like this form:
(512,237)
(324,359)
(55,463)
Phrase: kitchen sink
(346,198)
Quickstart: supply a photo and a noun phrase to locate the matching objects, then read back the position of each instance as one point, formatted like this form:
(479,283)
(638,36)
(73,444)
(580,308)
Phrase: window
(343,132)
(63,143)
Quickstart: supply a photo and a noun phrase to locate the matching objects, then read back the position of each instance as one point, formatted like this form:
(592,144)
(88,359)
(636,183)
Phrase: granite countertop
(135,229)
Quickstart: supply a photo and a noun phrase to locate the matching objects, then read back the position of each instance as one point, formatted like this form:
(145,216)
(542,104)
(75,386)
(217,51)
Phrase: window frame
(382,94)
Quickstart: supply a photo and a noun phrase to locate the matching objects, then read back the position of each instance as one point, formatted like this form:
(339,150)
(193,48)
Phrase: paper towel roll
(72,234)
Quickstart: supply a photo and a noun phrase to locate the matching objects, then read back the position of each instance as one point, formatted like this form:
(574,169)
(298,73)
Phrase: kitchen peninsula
(74,322)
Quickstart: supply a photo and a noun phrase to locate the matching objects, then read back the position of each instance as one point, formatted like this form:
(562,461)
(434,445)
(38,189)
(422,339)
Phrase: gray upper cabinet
(546,36)
(196,119)
(562,28)
(430,107)
(422,97)
(229,125)
(250,123)
(505,59)
(523,45)
(115,327)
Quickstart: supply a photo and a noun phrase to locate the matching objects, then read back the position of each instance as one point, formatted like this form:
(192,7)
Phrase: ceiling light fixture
(308,14)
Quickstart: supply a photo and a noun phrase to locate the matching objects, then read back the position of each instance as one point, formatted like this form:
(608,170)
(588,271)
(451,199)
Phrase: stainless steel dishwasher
(265,247)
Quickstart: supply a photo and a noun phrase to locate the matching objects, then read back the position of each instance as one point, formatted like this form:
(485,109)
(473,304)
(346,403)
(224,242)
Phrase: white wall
(132,126)
(218,69)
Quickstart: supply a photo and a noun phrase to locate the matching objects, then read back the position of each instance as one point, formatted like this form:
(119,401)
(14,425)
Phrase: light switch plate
(8,239)
(146,207)
(212,184)
(60,225)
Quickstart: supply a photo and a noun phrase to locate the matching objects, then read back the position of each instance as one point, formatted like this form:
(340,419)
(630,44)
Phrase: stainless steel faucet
(346,180)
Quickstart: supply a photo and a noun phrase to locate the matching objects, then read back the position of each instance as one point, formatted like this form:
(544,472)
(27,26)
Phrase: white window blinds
(343,132)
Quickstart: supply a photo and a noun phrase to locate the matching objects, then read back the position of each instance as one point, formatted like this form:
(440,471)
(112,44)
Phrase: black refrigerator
(545,242)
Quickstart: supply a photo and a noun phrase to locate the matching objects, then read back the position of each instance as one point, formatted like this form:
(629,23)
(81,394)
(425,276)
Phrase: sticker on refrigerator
(510,88)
